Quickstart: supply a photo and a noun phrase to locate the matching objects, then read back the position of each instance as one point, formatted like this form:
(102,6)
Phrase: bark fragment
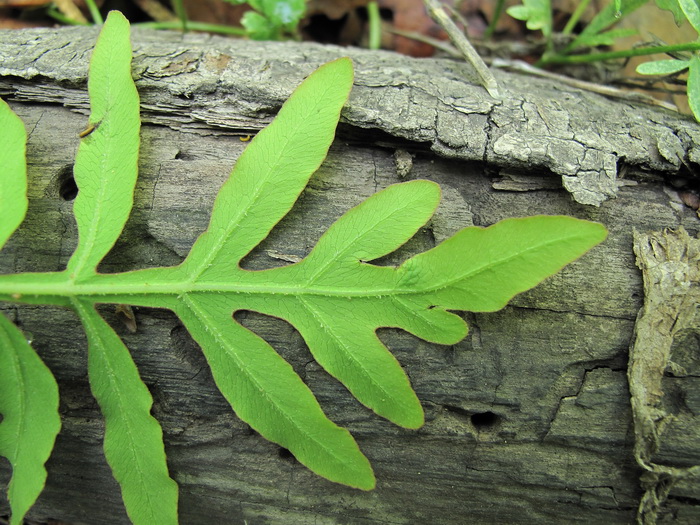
(670,264)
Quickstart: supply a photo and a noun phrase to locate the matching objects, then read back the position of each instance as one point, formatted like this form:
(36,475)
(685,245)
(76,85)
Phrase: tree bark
(527,420)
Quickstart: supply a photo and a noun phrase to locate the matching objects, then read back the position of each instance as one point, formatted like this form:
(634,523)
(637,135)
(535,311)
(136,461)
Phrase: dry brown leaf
(215,11)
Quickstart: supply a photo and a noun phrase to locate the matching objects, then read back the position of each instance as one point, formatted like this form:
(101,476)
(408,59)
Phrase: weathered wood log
(528,419)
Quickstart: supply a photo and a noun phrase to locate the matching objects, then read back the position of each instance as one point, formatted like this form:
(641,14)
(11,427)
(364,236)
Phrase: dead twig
(523,67)
(156,10)
(70,10)
(437,13)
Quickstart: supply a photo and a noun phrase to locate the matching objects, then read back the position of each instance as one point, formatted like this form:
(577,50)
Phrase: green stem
(143,287)
(575,16)
(596,57)
(497,12)
(94,12)
(375,25)
(179,8)
(195,26)
(60,17)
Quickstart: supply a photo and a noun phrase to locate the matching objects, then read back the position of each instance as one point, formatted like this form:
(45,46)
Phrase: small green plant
(682,10)
(335,296)
(272,19)
(538,16)
(268,20)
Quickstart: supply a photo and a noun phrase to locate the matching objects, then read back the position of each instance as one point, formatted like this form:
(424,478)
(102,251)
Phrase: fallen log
(527,420)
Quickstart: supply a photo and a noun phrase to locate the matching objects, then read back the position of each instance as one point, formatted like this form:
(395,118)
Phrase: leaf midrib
(348,252)
(280,160)
(327,328)
(89,324)
(35,285)
(111,149)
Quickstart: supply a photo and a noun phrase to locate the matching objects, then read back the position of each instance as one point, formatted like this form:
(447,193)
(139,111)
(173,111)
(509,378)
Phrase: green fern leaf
(105,172)
(29,405)
(13,173)
(110,149)
(28,391)
(335,297)
(537,14)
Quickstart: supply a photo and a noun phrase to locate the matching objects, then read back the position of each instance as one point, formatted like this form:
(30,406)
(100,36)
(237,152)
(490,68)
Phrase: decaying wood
(528,419)
(670,264)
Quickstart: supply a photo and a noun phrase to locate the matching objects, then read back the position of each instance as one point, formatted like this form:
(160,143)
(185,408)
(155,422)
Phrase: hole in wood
(67,188)
(285,454)
(485,420)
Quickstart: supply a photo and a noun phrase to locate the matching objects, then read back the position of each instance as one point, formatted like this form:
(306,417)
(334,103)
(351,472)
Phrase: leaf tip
(598,232)
(344,70)
(114,17)
(414,422)
(370,486)
(367,482)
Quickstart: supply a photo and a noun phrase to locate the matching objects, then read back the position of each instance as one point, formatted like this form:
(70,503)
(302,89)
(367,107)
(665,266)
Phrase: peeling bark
(208,83)
(670,264)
